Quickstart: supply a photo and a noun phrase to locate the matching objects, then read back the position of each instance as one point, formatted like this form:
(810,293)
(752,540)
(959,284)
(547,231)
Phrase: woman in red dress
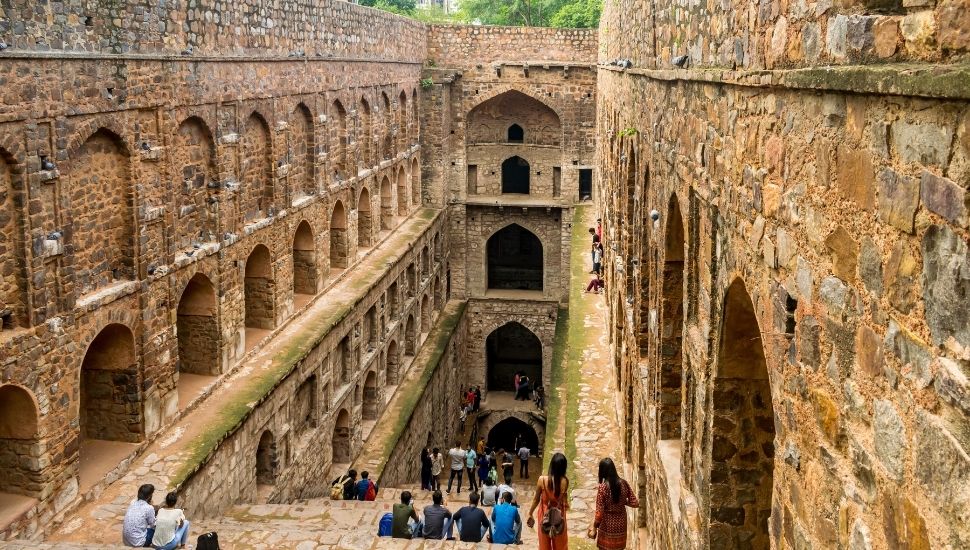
(612,498)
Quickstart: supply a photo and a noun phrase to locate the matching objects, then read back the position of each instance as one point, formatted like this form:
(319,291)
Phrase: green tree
(532,13)
(400,7)
(578,15)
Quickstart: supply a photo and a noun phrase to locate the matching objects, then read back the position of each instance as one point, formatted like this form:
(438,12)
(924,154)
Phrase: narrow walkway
(591,431)
(183,445)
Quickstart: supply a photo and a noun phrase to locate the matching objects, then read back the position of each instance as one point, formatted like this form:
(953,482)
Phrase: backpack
(207,541)
(553,522)
(371,493)
(386,525)
(337,489)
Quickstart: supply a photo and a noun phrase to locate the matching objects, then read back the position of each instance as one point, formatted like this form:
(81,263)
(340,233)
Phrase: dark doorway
(514,259)
(585,184)
(510,431)
(512,349)
(515,175)
(516,134)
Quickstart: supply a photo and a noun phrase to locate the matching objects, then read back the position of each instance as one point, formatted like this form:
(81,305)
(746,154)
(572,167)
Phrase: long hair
(608,474)
(557,469)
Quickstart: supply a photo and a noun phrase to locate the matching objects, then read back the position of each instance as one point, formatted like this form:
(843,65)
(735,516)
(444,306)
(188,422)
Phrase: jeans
(180,538)
(472,484)
(480,538)
(417,529)
(524,468)
(455,473)
(148,537)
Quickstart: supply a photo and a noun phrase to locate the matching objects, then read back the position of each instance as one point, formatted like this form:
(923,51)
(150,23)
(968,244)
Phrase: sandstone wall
(341,383)
(128,171)
(822,242)
(311,28)
(462,45)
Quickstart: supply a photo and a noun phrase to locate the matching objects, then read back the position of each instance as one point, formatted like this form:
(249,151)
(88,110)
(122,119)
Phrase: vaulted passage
(13,303)
(387,205)
(257,169)
(196,328)
(306,276)
(266,460)
(514,259)
(338,237)
(18,443)
(515,175)
(671,329)
(511,431)
(365,226)
(111,407)
(402,193)
(509,350)
(743,439)
(371,402)
(195,154)
(341,437)
(260,289)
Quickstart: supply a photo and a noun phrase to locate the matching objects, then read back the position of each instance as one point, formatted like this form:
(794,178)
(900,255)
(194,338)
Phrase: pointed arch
(509,350)
(371,400)
(267,464)
(195,158)
(410,337)
(392,377)
(515,259)
(402,119)
(672,325)
(387,136)
(306,274)
(339,138)
(365,228)
(366,133)
(102,212)
(402,192)
(111,397)
(19,437)
(340,442)
(490,120)
(256,167)
(515,175)
(13,263)
(196,328)
(387,204)
(338,237)
(415,183)
(260,289)
(302,152)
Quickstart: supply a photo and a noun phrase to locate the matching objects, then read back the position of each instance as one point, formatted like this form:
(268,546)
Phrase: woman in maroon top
(612,498)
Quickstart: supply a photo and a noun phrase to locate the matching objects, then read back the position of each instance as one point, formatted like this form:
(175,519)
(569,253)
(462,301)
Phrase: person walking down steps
(551,501)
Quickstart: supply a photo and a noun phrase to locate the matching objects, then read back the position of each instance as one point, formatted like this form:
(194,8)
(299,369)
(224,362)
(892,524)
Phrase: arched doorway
(402,193)
(514,259)
(266,460)
(410,338)
(306,277)
(371,403)
(415,183)
(511,349)
(197,332)
(515,175)
(515,134)
(341,438)
(111,407)
(338,148)
(256,168)
(507,433)
(260,289)
(671,328)
(425,315)
(392,302)
(393,364)
(387,205)
(194,155)
(338,237)
(18,443)
(742,455)
(364,227)
(366,134)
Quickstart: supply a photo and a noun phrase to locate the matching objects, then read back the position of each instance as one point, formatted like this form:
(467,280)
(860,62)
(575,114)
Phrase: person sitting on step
(171,527)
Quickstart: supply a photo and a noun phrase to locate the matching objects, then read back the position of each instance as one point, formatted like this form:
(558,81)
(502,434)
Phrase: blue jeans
(458,524)
(180,538)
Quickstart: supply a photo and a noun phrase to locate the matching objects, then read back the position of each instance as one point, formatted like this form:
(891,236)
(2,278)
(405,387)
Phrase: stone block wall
(813,235)
(314,414)
(464,46)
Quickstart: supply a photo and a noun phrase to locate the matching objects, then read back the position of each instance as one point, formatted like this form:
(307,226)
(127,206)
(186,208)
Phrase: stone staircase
(328,524)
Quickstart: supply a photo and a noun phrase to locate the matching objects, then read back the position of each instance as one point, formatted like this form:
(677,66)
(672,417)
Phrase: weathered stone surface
(786,248)
(900,278)
(904,525)
(870,266)
(808,342)
(953,385)
(836,36)
(944,197)
(827,415)
(803,279)
(954,18)
(943,470)
(833,294)
(946,284)
(886,37)
(925,143)
(856,177)
(861,537)
(844,252)
(869,352)
(898,199)
(889,436)
(912,354)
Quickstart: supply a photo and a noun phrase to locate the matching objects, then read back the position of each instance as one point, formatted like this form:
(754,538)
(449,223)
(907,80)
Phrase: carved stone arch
(496,264)
(492,419)
(91,125)
(499,90)
(14,276)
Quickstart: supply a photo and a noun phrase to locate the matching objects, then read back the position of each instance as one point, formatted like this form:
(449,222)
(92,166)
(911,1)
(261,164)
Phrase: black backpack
(208,541)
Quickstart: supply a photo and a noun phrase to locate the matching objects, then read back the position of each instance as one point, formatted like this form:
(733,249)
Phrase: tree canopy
(529,13)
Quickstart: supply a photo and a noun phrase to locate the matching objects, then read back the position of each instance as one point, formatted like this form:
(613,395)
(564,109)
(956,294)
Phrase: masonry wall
(129,169)
(305,410)
(837,214)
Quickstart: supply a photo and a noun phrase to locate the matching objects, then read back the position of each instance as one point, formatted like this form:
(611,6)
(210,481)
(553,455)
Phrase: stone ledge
(936,81)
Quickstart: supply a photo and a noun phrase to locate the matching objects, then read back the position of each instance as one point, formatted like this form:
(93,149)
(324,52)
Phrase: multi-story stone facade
(786,258)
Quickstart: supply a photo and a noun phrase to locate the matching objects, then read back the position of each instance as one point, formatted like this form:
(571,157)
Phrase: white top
(166,522)
(457,458)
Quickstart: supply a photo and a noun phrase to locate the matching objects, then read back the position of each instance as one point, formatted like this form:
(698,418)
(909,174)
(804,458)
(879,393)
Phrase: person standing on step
(508,465)
(478,398)
(457,456)
(426,469)
(551,500)
(437,464)
(612,498)
(482,467)
(471,461)
(406,523)
(524,454)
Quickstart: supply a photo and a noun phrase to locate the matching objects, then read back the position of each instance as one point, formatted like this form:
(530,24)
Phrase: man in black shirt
(472,521)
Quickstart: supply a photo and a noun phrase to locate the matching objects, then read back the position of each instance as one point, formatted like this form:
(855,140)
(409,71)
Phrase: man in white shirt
(139,524)
(457,455)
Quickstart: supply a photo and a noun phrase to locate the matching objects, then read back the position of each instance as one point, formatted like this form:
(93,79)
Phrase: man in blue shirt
(506,523)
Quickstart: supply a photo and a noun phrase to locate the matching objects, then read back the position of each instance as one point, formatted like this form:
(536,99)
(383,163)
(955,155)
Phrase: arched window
(509,350)
(515,175)
(516,134)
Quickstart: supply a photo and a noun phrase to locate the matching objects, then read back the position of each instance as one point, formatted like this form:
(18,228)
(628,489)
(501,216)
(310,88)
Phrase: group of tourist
(596,252)
(152,526)
(348,487)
